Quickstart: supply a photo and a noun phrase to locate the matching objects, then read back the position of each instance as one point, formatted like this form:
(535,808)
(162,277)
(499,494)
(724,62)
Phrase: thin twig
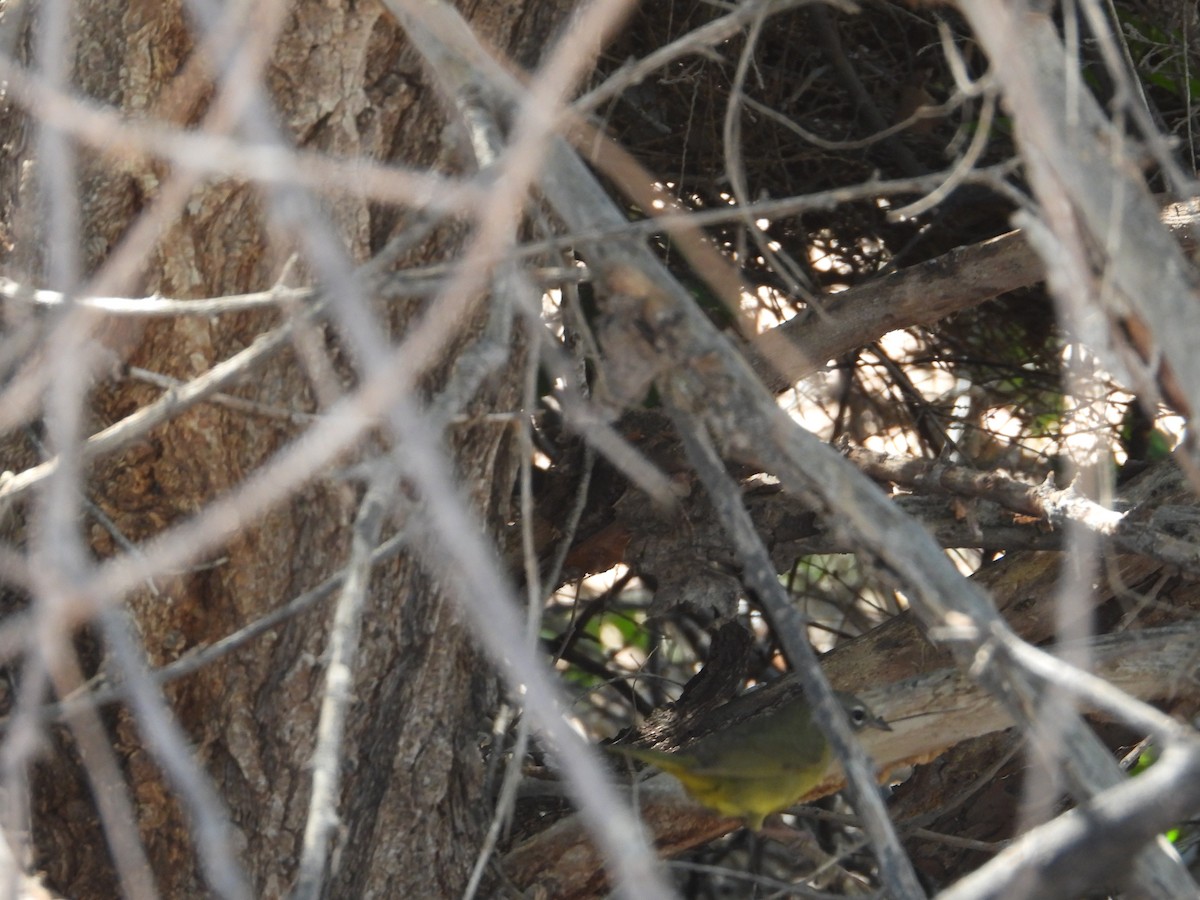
(340,665)
(507,795)
(211,827)
(194,660)
(239,404)
(133,427)
(205,154)
(116,809)
(698,40)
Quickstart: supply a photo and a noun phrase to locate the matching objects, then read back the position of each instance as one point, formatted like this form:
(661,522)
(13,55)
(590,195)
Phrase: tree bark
(346,86)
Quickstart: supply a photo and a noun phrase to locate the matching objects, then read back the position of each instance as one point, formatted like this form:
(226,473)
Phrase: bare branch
(339,681)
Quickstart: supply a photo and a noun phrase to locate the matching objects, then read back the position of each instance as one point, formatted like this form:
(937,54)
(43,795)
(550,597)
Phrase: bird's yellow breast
(760,766)
(753,797)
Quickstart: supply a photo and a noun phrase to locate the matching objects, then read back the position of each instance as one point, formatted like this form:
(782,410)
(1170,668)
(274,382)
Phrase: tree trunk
(345,86)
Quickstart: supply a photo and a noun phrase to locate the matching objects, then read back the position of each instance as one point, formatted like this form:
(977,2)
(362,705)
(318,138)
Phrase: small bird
(759,766)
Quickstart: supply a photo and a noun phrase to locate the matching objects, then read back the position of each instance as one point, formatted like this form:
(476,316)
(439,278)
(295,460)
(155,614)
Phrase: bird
(760,765)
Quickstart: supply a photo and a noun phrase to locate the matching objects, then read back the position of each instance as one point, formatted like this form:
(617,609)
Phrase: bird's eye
(858,716)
